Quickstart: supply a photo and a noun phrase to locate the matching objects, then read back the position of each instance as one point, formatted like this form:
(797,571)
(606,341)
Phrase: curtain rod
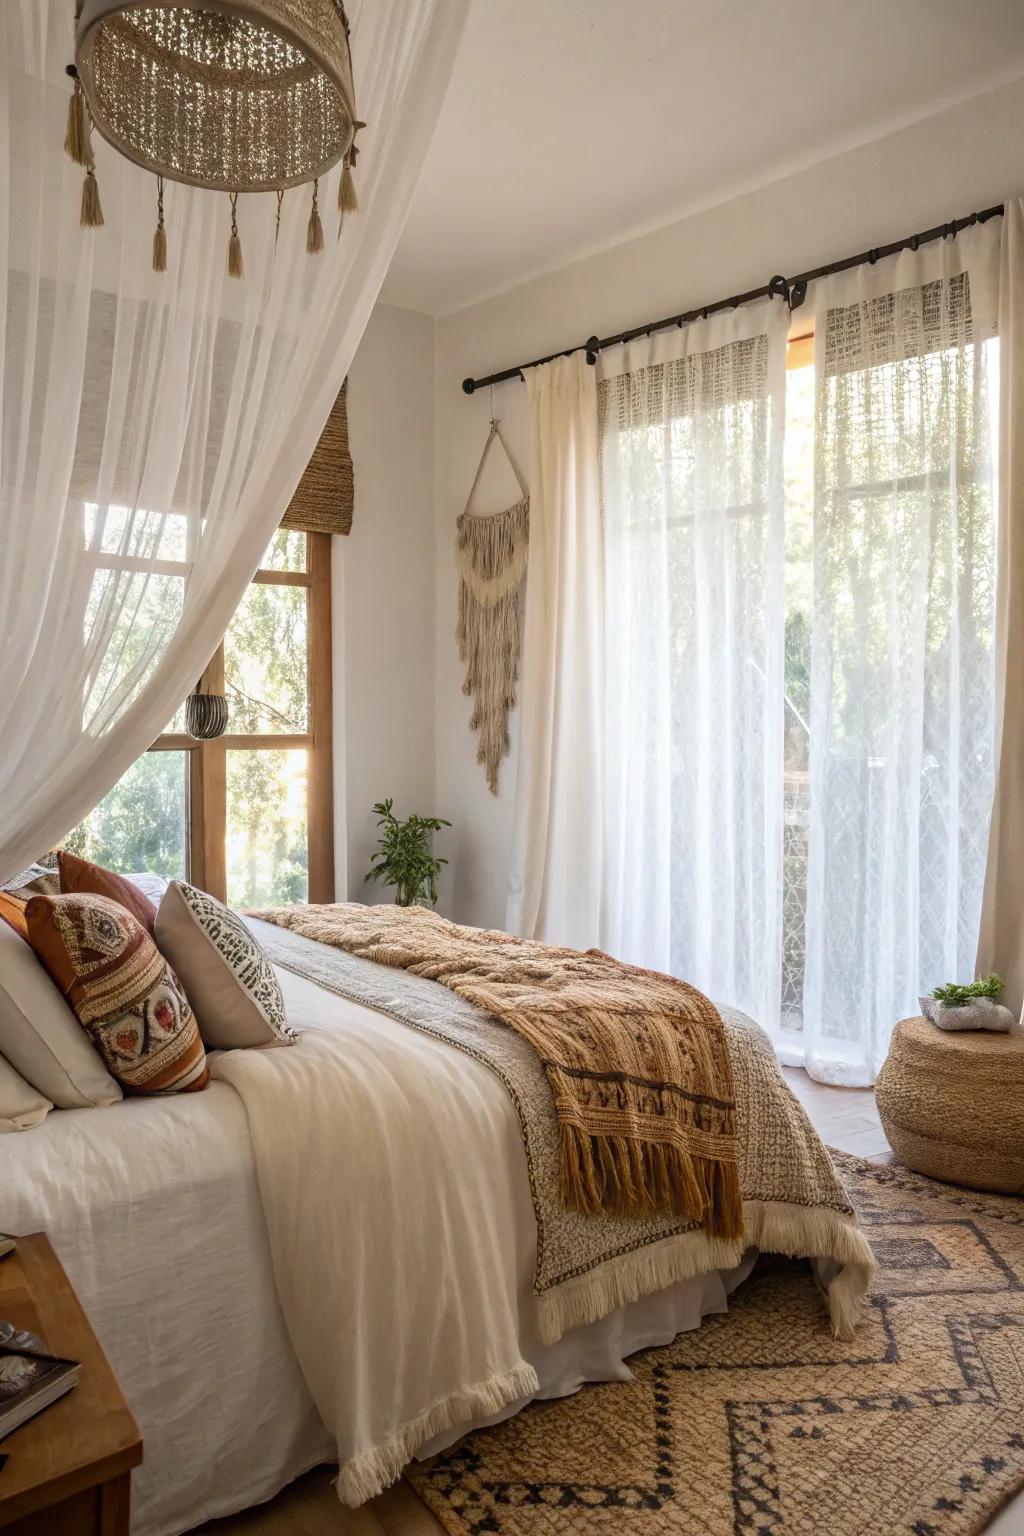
(793,290)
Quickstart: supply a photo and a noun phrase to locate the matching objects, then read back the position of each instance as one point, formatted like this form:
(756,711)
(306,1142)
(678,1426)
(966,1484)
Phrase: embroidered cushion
(122,990)
(79,877)
(12,910)
(38,879)
(40,1036)
(230,980)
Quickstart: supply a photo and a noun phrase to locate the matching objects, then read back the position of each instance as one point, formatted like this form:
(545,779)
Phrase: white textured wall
(962,159)
(383,591)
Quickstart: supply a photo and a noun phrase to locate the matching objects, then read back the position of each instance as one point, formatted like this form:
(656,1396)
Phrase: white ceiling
(571,125)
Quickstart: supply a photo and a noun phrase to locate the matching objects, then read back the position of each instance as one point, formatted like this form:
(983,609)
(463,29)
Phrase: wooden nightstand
(69,1469)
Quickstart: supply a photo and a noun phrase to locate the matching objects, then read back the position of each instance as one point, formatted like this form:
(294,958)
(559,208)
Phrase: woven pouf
(952,1104)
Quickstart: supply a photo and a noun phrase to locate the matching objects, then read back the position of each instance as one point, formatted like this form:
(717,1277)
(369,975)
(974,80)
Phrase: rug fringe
(370,1473)
(770,1226)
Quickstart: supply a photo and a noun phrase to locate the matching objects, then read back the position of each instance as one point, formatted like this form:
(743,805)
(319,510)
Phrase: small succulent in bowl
(973,1005)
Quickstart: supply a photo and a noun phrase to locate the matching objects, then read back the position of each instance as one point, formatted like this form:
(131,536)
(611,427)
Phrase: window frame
(207,760)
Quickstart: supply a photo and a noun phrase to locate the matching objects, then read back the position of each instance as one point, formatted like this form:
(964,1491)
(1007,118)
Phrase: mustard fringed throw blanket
(637,1062)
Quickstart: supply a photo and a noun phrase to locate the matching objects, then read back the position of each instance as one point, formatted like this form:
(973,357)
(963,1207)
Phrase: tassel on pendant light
(78,147)
(348,202)
(160,234)
(235,267)
(277,220)
(76,135)
(92,212)
(314,230)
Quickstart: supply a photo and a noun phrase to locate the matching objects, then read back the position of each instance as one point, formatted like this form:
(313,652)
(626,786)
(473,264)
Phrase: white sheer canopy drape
(154,426)
(902,675)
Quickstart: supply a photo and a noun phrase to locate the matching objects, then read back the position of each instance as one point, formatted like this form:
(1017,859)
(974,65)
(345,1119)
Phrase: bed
(176,1221)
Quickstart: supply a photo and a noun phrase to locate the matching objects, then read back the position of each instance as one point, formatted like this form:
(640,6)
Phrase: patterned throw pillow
(38,880)
(231,982)
(122,991)
(78,877)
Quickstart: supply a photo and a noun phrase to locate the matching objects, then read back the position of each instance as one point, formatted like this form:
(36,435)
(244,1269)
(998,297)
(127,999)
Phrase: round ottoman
(952,1105)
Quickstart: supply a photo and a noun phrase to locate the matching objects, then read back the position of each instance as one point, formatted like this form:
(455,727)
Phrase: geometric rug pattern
(759,1423)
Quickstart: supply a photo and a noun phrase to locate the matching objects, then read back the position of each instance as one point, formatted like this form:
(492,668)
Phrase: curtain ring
(914,242)
(873,255)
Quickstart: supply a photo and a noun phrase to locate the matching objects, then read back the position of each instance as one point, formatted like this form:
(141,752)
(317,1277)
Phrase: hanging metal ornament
(231,95)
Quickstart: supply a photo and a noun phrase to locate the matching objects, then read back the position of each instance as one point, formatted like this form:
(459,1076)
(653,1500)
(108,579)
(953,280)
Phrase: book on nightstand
(29,1382)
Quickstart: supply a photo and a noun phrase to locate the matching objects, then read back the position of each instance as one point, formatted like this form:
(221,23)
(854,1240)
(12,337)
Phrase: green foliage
(141,824)
(405,856)
(956,996)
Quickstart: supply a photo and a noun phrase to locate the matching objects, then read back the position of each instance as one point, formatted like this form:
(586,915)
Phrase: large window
(249,816)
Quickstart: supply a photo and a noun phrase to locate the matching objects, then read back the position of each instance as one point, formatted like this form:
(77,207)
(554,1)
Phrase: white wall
(383,592)
(948,165)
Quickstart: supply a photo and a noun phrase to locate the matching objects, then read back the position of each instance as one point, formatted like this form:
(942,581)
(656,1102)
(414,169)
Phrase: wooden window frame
(207,777)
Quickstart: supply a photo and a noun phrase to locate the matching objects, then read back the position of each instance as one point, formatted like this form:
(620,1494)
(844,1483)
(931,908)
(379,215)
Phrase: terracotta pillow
(80,878)
(122,991)
(12,910)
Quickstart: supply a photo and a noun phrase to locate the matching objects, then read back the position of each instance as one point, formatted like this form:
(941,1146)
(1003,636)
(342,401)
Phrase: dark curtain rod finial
(793,290)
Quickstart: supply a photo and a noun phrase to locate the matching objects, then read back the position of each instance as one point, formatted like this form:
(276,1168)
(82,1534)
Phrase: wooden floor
(845,1117)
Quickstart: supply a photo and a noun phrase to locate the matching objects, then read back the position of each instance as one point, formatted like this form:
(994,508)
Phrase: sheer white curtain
(692,495)
(649,799)
(902,674)
(153,427)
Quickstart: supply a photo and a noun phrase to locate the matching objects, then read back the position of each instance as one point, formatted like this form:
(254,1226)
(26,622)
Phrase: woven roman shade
(323,501)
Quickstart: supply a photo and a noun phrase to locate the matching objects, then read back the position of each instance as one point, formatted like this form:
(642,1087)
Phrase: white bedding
(154,1209)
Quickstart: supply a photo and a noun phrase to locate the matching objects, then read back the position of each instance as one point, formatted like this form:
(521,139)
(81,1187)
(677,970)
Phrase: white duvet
(414,1189)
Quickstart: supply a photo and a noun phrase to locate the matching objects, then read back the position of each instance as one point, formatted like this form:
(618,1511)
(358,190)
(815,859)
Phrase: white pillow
(40,1036)
(228,979)
(21,1106)
(150,885)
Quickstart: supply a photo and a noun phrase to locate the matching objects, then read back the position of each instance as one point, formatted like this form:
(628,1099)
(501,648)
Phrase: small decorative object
(491,556)
(405,856)
(974,1006)
(206,715)
(232,95)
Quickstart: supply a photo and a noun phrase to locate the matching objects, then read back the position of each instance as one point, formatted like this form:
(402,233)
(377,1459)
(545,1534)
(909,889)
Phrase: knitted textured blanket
(636,1061)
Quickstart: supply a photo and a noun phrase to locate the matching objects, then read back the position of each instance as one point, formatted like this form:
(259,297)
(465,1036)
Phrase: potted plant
(974,1006)
(405,856)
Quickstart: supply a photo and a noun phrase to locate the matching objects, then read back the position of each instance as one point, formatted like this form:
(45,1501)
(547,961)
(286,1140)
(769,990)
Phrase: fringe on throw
(490,554)
(638,1178)
(814,1232)
(370,1473)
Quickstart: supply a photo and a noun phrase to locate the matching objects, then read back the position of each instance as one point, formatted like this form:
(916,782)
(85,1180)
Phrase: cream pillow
(40,1036)
(21,1106)
(230,982)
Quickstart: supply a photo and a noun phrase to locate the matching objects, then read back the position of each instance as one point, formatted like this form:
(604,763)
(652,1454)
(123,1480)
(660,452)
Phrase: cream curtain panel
(902,671)
(1001,945)
(556,886)
(153,428)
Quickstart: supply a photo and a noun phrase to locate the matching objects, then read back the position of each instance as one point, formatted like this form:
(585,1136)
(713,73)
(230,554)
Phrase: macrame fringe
(76,135)
(362,1478)
(92,212)
(235,267)
(314,230)
(642,1178)
(490,555)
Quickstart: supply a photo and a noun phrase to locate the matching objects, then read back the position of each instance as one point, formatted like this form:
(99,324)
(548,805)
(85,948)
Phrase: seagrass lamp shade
(236,96)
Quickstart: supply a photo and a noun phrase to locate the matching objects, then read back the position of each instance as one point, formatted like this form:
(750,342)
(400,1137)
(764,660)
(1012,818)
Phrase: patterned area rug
(760,1422)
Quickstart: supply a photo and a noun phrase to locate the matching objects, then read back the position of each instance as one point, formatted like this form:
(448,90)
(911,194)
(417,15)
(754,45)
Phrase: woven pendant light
(232,95)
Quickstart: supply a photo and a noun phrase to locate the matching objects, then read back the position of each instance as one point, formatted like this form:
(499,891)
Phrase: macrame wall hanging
(491,556)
